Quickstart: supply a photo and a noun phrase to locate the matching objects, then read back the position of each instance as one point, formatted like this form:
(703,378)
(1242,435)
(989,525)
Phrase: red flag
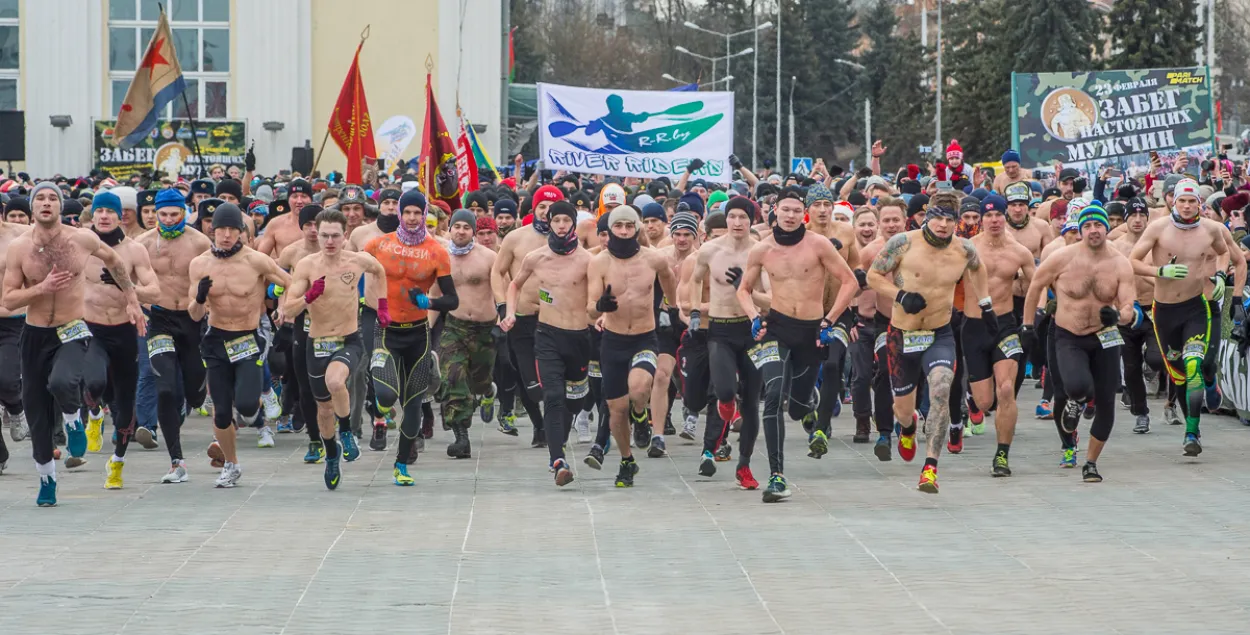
(466,163)
(437,173)
(511,55)
(349,124)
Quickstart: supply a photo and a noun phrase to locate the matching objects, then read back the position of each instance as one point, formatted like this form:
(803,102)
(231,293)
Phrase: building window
(10,54)
(201,30)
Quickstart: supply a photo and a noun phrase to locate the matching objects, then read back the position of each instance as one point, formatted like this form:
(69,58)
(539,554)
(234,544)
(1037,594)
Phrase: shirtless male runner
(111,369)
(621,292)
(1034,233)
(992,357)
(919,269)
(562,337)
(298,387)
(1169,249)
(324,284)
(285,229)
(1094,290)
(173,339)
(43,272)
(681,242)
(793,337)
(230,284)
(1140,345)
(872,336)
(12,414)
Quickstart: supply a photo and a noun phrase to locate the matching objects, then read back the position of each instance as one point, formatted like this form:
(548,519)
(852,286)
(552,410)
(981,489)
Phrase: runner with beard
(12,414)
(683,234)
(512,253)
(920,269)
(111,369)
(230,289)
(466,349)
(43,273)
(505,216)
(621,292)
(723,351)
(992,356)
(562,337)
(299,386)
(868,353)
(1034,233)
(1169,249)
(792,337)
(1093,286)
(173,338)
(1140,344)
(284,229)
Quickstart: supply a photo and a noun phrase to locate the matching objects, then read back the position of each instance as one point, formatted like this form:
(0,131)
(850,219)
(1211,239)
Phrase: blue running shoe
(1069,458)
(777,489)
(707,465)
(1193,444)
(47,492)
(1214,398)
(333,473)
(76,439)
(1043,410)
(316,452)
(400,472)
(284,425)
(351,451)
(882,448)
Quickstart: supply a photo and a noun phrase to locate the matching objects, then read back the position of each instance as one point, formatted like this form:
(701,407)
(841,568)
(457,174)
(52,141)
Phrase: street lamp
(755,75)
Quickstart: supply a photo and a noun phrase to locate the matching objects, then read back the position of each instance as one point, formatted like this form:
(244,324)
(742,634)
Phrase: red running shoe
(955,444)
(745,479)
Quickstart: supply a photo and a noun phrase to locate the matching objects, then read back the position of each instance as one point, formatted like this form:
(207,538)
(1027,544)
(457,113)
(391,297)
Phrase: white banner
(393,137)
(640,133)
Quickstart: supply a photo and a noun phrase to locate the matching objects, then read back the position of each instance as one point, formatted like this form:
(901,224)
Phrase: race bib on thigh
(1110,337)
(326,346)
(1194,348)
(880,343)
(592,369)
(839,334)
(644,357)
(73,331)
(917,341)
(577,389)
(1010,346)
(307,323)
(764,353)
(241,348)
(158,344)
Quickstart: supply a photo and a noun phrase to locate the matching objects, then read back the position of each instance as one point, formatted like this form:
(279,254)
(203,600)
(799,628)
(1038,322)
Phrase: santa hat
(954,151)
(941,172)
(913,171)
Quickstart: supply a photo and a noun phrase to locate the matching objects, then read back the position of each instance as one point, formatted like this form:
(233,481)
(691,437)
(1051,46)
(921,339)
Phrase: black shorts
(912,354)
(596,342)
(619,354)
(983,349)
(799,336)
(347,349)
(227,348)
(563,353)
(668,337)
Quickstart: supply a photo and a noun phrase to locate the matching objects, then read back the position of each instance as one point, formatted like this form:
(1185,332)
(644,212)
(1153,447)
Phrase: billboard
(1094,118)
(169,148)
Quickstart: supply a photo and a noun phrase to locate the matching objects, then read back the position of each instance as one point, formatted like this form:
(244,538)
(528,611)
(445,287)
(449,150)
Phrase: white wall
(471,60)
(262,33)
(61,68)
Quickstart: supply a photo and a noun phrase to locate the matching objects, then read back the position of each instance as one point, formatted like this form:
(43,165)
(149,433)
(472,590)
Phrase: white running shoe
(266,438)
(273,409)
(583,427)
(229,475)
(689,429)
(177,473)
(19,430)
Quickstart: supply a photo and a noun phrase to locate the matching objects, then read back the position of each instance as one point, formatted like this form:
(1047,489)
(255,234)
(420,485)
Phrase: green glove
(1218,279)
(1173,272)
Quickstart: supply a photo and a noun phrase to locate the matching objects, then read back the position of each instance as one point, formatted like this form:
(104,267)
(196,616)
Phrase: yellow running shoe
(928,480)
(113,469)
(400,472)
(95,431)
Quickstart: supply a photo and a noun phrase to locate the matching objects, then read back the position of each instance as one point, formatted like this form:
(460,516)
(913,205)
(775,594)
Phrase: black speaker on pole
(12,135)
(302,159)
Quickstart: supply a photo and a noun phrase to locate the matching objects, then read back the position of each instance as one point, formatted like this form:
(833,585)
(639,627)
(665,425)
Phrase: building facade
(278,65)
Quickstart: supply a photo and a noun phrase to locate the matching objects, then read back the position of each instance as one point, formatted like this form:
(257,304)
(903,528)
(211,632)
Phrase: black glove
(1028,337)
(910,301)
(1109,315)
(694,166)
(837,244)
(201,292)
(249,159)
(861,276)
(990,318)
(1239,310)
(107,278)
(606,302)
(733,275)
(836,171)
(502,310)
(735,162)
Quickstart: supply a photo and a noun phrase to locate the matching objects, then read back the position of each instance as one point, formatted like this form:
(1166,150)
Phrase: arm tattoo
(974,259)
(121,278)
(891,255)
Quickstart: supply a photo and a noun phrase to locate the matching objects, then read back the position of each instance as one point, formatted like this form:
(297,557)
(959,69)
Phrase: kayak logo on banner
(635,133)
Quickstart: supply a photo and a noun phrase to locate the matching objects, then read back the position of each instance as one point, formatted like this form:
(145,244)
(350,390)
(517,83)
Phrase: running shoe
(1071,416)
(539,440)
(746,480)
(669,430)
(95,430)
(1088,412)
(928,480)
(113,474)
(595,457)
(400,473)
(582,423)
(216,457)
(1089,473)
(809,423)
(284,425)
(1143,424)
(316,452)
(1001,468)
(1192,447)
(351,450)
(205,407)
(819,445)
(333,474)
(863,430)
(177,473)
(486,407)
(18,428)
(377,442)
(707,464)
(1213,398)
(273,408)
(657,449)
(1069,458)
(724,452)
(689,428)
(837,407)
(642,428)
(564,474)
(955,444)
(229,476)
(1124,400)
(625,477)
(777,489)
(390,416)
(882,448)
(1043,410)
(146,438)
(264,438)
(507,424)
(1170,415)
(907,446)
(976,421)
(76,438)
(47,492)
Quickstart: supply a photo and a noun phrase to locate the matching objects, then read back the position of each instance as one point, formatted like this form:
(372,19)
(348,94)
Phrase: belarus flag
(157,82)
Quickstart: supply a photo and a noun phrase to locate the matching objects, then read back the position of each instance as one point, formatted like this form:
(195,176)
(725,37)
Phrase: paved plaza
(490,545)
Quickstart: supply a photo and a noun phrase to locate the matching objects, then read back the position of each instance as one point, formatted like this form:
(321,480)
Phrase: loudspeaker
(302,160)
(12,135)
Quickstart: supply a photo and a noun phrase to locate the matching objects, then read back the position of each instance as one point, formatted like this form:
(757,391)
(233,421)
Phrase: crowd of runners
(923,298)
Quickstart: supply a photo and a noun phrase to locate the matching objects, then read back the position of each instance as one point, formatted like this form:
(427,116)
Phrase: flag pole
(195,137)
(364,35)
